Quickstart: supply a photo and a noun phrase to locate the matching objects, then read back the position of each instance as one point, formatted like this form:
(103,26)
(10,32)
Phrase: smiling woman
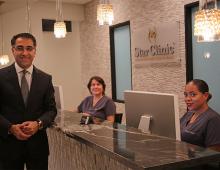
(98,105)
(199,124)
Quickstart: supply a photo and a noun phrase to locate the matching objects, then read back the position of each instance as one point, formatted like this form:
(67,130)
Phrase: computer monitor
(162,107)
(59,97)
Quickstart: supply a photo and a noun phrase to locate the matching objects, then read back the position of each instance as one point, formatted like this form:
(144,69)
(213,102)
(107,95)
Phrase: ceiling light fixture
(207,22)
(105,14)
(59,25)
(4,59)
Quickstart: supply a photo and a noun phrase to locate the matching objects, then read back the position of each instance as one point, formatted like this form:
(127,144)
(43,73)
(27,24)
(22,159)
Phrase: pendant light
(105,14)
(207,22)
(59,25)
(4,59)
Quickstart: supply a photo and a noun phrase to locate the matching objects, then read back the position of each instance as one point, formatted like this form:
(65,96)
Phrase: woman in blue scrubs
(99,106)
(200,125)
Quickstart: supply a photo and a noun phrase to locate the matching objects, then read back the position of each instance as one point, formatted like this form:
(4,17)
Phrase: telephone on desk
(85,120)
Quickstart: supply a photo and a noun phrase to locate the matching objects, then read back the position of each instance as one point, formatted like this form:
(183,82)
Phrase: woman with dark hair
(199,125)
(98,105)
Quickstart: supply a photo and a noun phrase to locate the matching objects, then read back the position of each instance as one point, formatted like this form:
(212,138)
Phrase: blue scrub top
(204,131)
(103,108)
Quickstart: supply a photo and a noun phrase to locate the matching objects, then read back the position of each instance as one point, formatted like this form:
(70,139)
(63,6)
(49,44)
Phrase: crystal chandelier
(59,25)
(207,22)
(4,59)
(105,14)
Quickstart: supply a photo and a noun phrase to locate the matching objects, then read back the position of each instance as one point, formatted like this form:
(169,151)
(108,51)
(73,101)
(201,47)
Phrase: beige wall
(95,49)
(59,57)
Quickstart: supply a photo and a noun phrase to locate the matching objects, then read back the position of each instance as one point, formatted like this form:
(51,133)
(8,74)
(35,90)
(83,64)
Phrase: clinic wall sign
(156,43)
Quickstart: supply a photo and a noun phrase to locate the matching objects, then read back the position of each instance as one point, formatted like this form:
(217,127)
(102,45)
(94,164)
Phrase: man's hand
(18,133)
(29,127)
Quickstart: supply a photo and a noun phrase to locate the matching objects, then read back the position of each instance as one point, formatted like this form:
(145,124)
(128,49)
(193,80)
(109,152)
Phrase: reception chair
(118,117)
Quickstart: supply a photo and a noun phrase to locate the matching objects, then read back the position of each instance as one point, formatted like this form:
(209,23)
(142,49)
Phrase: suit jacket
(40,105)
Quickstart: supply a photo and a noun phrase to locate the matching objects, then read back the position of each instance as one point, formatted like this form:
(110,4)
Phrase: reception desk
(106,146)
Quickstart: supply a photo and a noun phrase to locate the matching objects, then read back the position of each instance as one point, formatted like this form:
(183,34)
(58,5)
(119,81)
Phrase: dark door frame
(188,39)
(112,54)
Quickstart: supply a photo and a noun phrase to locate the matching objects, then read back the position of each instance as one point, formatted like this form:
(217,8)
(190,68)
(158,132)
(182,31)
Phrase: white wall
(58,57)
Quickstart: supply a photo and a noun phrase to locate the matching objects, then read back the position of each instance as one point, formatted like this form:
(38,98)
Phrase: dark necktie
(24,87)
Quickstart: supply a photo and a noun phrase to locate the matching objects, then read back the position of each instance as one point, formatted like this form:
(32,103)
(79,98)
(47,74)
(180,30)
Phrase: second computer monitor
(162,107)
(58,93)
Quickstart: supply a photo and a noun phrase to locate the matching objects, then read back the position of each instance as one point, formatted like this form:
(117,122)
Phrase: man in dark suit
(27,108)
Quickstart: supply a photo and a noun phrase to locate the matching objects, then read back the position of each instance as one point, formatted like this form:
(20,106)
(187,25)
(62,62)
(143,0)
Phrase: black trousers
(210,166)
(32,162)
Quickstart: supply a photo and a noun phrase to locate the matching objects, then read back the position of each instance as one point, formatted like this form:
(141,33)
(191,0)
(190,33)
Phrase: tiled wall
(95,49)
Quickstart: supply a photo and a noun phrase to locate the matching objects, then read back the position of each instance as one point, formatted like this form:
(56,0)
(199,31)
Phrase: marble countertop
(133,148)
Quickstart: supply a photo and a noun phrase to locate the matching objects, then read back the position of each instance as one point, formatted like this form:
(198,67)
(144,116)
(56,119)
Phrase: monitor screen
(162,107)
(58,97)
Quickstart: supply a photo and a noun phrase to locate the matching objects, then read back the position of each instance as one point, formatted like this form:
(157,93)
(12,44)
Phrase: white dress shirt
(28,75)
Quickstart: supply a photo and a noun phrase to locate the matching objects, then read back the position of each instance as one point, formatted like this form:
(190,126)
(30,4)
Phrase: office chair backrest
(118,117)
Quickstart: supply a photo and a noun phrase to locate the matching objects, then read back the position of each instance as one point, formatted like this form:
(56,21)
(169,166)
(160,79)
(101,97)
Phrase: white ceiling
(13,4)
(72,1)
(67,1)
